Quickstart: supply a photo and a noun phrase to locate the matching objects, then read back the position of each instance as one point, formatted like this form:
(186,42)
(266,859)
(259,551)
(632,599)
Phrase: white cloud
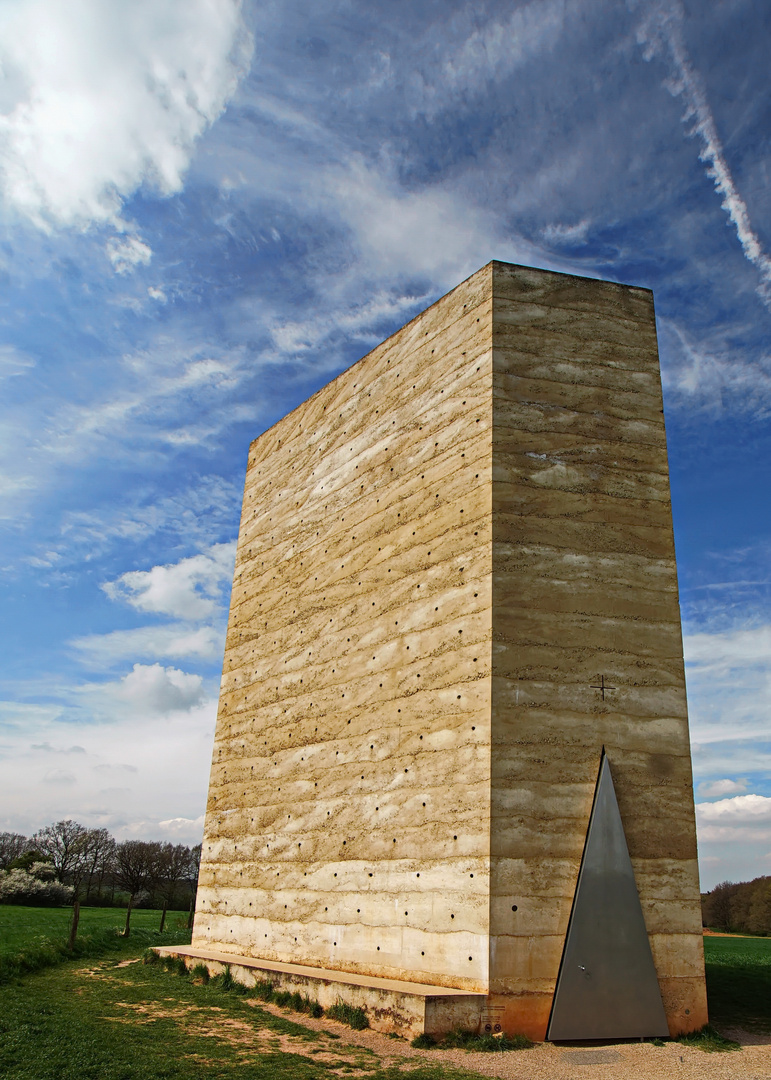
(156,690)
(738,647)
(714,788)
(60,776)
(174,641)
(431,231)
(13,362)
(294,338)
(139,407)
(48,748)
(164,759)
(25,716)
(99,98)
(741,820)
(728,674)
(437,232)
(717,752)
(662,31)
(193,591)
(182,825)
(189,589)
(178,830)
(739,810)
(556,233)
(126,254)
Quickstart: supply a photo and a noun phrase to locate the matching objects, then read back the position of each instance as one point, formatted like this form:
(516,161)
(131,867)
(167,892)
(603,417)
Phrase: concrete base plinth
(407,1008)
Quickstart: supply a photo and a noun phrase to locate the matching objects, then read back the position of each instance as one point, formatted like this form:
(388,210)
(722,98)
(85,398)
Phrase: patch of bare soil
(209,1022)
(355,1053)
(546,1061)
(719,933)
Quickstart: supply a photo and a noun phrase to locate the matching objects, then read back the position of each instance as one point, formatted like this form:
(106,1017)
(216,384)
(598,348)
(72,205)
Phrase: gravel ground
(616,1061)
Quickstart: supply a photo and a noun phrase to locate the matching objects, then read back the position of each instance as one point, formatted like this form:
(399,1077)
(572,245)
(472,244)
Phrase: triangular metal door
(607,986)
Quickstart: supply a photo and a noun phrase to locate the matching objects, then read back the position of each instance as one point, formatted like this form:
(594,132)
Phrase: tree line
(66,861)
(742,907)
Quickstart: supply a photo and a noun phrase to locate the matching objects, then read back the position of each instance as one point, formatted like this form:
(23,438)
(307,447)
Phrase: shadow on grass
(469,1040)
(739,982)
(708,1039)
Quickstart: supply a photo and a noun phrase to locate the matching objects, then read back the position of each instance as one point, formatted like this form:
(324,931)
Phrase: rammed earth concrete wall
(584,586)
(349,815)
(439,554)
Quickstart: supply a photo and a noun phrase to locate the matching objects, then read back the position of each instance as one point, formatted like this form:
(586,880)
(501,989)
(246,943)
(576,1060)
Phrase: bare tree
(99,856)
(195,866)
(174,867)
(136,869)
(12,846)
(64,844)
(136,866)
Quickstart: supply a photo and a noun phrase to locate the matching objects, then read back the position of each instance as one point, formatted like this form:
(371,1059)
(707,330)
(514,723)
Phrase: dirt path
(618,1061)
(720,933)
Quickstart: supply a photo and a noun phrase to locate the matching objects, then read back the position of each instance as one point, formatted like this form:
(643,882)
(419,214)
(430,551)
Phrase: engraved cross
(602,685)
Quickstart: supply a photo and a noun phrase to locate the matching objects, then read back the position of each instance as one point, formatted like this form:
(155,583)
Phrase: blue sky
(208,210)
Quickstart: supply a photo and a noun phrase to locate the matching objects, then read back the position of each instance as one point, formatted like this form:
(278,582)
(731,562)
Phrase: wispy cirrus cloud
(13,362)
(173,641)
(661,31)
(128,252)
(490,52)
(141,411)
(713,374)
(197,514)
(723,652)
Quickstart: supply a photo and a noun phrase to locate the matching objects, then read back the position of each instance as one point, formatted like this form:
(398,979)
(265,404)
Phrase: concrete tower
(455,586)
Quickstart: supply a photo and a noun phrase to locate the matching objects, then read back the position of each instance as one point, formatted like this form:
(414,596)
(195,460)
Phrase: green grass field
(23,927)
(35,938)
(119,1019)
(108,1016)
(739,981)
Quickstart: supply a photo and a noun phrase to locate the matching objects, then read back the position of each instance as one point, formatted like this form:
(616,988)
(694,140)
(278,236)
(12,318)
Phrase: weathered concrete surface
(406,1008)
(439,554)
(348,824)
(584,586)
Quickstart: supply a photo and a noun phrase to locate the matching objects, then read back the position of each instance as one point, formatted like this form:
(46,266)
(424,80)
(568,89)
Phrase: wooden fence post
(127,931)
(74,925)
(163,917)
